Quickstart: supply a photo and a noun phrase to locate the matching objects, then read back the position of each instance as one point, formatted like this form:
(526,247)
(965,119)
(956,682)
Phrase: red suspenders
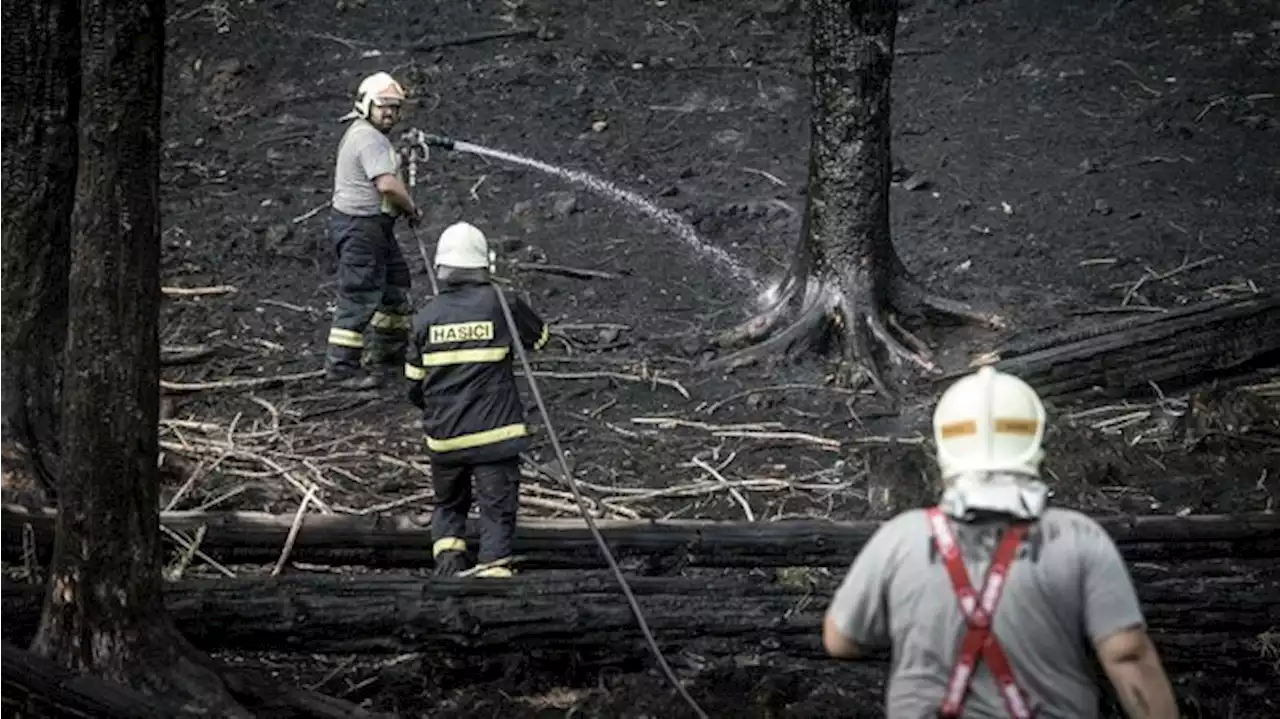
(978,612)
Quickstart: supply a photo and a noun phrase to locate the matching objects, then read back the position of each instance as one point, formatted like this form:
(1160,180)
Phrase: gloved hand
(414,218)
(438,140)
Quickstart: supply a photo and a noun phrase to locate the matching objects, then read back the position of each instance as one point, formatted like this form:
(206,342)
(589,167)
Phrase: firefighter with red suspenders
(1053,588)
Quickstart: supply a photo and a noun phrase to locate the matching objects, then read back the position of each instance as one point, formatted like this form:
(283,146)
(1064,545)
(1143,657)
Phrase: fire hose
(586,514)
(421,141)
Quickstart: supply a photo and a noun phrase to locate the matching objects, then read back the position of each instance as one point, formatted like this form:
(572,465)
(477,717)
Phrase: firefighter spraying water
(369,194)
(1012,645)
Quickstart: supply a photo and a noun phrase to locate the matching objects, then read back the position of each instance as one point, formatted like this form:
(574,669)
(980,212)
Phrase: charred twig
(768,176)
(197,291)
(293,531)
(184,560)
(823,442)
(185,354)
(733,491)
(425,45)
(711,408)
(635,495)
(588,327)
(228,448)
(565,271)
(754,431)
(672,422)
(653,380)
(310,214)
(1150,275)
(288,306)
(352,45)
(246,383)
(193,547)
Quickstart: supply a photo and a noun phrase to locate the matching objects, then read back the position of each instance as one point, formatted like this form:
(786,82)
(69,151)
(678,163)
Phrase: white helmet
(378,89)
(989,422)
(464,246)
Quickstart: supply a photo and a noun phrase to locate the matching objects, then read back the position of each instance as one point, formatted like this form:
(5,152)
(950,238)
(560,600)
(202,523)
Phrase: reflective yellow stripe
(1017,426)
(448,544)
(414,373)
(478,439)
(345,338)
(542,338)
(385,321)
(969,427)
(479,354)
(495,573)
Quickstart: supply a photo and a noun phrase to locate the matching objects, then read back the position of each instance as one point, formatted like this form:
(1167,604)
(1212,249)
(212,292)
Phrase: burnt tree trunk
(104,612)
(1201,612)
(844,267)
(40,103)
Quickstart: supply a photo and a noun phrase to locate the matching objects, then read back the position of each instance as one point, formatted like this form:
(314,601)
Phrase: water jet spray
(671,220)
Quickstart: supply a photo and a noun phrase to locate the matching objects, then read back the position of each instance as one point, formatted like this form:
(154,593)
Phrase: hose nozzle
(438,140)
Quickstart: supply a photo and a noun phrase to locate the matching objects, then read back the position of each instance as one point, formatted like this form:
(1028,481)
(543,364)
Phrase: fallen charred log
(644,547)
(1174,350)
(1229,603)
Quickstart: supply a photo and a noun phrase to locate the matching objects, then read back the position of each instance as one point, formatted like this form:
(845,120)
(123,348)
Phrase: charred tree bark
(41,100)
(845,271)
(1203,609)
(645,547)
(104,611)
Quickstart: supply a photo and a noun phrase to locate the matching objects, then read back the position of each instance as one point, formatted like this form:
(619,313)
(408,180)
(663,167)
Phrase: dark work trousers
(497,490)
(373,293)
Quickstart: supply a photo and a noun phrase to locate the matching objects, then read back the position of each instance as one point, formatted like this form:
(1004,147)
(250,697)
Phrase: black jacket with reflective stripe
(459,364)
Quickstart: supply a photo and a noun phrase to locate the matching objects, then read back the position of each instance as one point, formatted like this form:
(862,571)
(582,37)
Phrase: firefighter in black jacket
(459,364)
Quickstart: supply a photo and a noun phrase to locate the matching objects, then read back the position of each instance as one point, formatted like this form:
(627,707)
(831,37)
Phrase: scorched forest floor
(1050,156)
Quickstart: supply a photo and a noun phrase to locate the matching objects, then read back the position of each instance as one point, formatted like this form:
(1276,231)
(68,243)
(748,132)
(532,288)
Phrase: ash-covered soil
(1051,156)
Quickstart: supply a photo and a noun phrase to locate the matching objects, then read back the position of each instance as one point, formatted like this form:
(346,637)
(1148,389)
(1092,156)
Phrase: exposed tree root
(191,682)
(856,306)
(207,688)
(266,697)
(167,674)
(172,675)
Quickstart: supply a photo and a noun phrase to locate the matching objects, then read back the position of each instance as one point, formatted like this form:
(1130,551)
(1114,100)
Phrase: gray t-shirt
(1067,589)
(363,155)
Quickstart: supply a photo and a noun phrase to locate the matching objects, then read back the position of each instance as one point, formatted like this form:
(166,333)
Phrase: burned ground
(1073,161)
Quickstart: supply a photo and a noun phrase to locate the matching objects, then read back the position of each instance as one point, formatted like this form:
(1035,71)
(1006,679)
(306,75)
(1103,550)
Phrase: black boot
(353,380)
(450,563)
(386,362)
(342,368)
(385,349)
